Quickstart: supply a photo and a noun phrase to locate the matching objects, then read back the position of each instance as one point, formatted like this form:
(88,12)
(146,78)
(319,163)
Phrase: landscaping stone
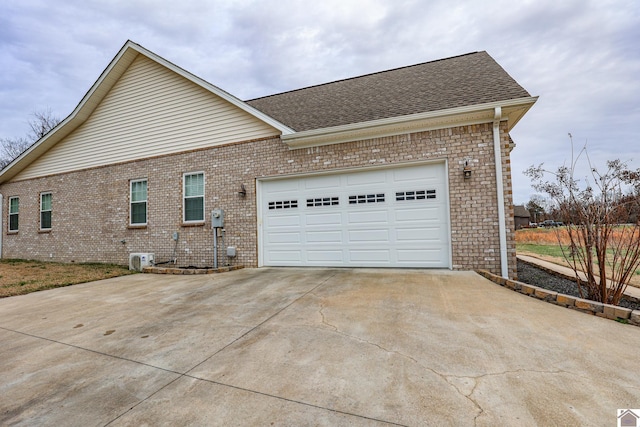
(546,295)
(566,300)
(587,305)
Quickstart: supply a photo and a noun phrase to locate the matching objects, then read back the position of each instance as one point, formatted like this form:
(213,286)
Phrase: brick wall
(91,207)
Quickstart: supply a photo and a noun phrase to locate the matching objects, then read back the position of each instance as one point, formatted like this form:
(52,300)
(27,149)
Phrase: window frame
(185,197)
(50,210)
(17,215)
(145,201)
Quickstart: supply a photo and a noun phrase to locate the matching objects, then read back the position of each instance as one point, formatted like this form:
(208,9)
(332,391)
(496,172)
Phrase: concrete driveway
(309,347)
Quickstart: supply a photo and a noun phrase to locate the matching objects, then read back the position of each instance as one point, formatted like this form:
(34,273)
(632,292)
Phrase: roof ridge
(364,75)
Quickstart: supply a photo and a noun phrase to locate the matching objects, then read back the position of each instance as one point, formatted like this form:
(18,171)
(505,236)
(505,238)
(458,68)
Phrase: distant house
(381,170)
(521,216)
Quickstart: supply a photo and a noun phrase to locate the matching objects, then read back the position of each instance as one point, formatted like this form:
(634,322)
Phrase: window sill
(192,224)
(12,232)
(137,227)
(44,231)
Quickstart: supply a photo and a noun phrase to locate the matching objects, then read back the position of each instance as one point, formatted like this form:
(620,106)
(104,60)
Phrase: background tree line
(40,123)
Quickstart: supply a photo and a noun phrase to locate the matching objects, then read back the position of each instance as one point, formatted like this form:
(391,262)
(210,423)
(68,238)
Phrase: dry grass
(543,243)
(18,277)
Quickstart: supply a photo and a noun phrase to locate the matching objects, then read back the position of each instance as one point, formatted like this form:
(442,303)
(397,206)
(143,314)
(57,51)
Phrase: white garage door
(378,218)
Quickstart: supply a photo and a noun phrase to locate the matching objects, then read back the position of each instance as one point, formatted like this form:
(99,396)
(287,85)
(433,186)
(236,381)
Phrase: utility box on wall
(217,218)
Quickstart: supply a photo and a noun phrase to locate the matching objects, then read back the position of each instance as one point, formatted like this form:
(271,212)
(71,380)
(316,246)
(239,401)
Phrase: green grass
(546,250)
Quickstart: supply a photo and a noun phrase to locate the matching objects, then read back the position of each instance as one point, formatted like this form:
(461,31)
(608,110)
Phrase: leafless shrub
(595,210)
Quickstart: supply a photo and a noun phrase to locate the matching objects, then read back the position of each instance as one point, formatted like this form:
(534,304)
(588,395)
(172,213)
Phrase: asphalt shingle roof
(470,79)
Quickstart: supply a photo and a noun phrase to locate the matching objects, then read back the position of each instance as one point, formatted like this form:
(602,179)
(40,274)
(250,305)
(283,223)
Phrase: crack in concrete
(447,378)
(440,375)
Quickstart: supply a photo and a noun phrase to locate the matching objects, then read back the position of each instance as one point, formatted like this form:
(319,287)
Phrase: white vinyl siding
(150,111)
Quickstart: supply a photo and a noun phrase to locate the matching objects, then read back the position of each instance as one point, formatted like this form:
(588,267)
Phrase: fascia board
(459,116)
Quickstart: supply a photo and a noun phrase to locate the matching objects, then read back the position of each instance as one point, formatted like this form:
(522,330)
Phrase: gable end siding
(150,111)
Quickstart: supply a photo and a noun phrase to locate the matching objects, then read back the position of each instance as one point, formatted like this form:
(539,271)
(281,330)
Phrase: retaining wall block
(634,317)
(546,295)
(614,312)
(566,300)
(590,306)
(528,289)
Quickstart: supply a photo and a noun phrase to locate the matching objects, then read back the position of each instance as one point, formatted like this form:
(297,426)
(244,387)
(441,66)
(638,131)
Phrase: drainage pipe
(502,225)
(1,230)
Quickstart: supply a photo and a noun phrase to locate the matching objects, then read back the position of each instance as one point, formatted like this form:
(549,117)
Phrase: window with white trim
(45,211)
(138,209)
(14,210)
(193,191)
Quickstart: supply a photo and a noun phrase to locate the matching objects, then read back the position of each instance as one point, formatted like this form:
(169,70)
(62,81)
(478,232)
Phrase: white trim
(44,193)
(1,224)
(482,113)
(146,201)
(261,180)
(502,225)
(9,230)
(184,197)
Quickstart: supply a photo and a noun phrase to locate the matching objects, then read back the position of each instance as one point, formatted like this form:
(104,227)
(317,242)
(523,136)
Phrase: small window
(283,204)
(323,201)
(45,211)
(138,212)
(415,195)
(366,198)
(14,208)
(193,197)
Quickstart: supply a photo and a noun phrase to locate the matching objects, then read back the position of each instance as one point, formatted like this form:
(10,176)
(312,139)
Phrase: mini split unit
(138,261)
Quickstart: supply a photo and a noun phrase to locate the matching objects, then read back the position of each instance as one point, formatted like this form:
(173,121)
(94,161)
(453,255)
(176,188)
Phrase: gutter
(502,225)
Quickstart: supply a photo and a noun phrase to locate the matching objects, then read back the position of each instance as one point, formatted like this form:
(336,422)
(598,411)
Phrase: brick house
(386,170)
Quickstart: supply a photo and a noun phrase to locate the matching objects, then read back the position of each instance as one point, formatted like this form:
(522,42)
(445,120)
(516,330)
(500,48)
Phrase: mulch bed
(531,275)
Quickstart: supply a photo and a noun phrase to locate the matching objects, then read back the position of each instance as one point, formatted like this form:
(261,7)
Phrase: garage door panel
(334,257)
(325,219)
(324,237)
(419,234)
(368,179)
(329,182)
(281,237)
(285,256)
(369,256)
(283,221)
(385,217)
(369,235)
(418,214)
(365,217)
(434,256)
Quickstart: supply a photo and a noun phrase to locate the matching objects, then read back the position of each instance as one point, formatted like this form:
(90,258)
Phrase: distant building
(521,216)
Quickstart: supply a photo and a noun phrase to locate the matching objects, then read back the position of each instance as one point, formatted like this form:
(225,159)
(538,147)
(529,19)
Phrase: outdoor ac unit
(138,261)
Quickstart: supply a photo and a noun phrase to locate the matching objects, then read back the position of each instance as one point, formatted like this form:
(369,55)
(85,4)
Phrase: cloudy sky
(581,57)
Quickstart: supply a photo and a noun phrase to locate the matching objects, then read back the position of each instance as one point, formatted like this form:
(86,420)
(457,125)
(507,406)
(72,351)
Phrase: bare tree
(40,124)
(596,240)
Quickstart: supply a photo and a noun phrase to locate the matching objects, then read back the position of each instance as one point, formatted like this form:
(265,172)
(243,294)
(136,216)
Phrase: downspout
(1,219)
(502,224)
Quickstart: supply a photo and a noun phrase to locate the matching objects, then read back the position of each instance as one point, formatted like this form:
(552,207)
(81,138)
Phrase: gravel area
(537,277)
